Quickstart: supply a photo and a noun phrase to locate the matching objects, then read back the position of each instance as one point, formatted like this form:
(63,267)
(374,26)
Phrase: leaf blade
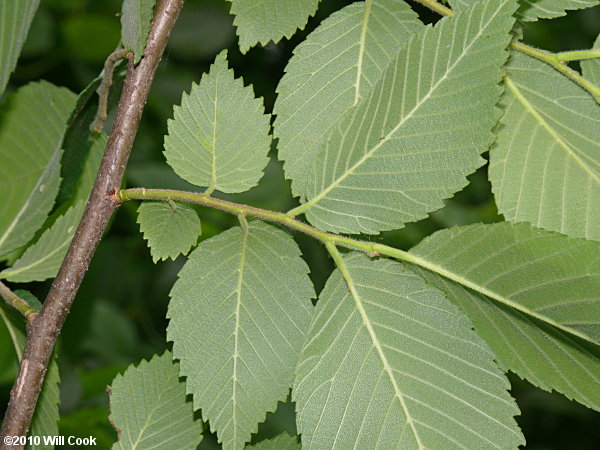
(336,65)
(16,18)
(532,10)
(590,68)
(153,393)
(546,153)
(219,136)
(548,278)
(170,229)
(42,259)
(251,309)
(135,25)
(375,354)
(282,441)
(546,357)
(46,108)
(261,21)
(364,178)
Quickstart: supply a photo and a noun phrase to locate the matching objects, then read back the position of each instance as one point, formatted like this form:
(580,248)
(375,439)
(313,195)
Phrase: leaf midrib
(388,136)
(372,335)
(243,246)
(450,275)
(361,50)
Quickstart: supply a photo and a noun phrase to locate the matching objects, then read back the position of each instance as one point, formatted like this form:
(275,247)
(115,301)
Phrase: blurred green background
(119,314)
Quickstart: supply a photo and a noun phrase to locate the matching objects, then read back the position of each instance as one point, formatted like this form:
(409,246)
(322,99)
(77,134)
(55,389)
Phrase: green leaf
(261,21)
(149,409)
(43,259)
(245,296)
(171,229)
(82,149)
(282,441)
(45,417)
(336,66)
(532,10)
(135,25)
(546,357)
(545,275)
(31,129)
(590,68)
(390,363)
(545,167)
(409,145)
(15,19)
(219,136)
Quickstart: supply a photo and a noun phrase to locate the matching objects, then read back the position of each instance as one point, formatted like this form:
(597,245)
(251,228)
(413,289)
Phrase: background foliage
(119,314)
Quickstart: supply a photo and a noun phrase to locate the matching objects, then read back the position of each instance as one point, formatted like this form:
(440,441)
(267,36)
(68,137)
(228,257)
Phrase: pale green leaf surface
(282,441)
(15,19)
(590,68)
(135,25)
(46,414)
(32,123)
(390,363)
(261,21)
(532,10)
(245,295)
(336,66)
(544,355)
(546,276)
(43,258)
(219,136)
(171,229)
(148,407)
(411,143)
(545,166)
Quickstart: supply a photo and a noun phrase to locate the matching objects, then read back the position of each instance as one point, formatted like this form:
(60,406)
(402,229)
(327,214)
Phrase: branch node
(114,196)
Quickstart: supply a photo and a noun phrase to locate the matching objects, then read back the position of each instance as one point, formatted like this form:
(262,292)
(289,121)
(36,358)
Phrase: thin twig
(373,249)
(48,322)
(104,88)
(20,304)
(554,59)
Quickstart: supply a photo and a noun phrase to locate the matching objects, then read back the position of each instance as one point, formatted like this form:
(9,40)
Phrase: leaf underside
(336,66)
(219,137)
(31,130)
(149,409)
(282,441)
(411,143)
(170,229)
(245,295)
(390,363)
(532,10)
(545,166)
(590,68)
(544,322)
(261,21)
